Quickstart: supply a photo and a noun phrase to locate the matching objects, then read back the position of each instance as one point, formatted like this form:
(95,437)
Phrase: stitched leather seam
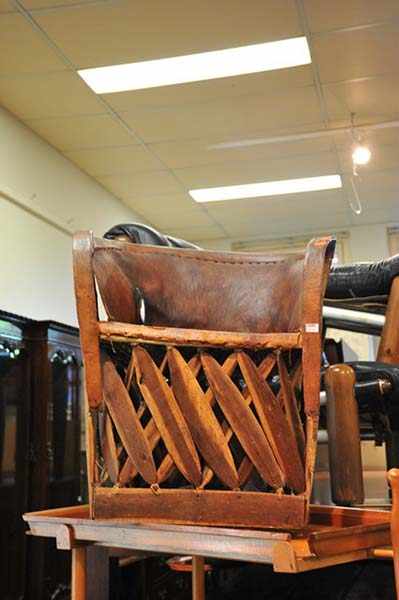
(203,259)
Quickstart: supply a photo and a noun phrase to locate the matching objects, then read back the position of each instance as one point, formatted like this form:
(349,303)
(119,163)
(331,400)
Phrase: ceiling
(149,147)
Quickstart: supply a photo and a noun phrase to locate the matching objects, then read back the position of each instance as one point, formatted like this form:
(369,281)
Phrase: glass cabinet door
(14,455)
(63,422)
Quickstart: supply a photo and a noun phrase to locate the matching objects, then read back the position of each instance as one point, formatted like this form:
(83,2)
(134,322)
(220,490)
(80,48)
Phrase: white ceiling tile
(378,215)
(356,54)
(186,153)
(210,232)
(368,98)
(147,182)
(166,217)
(224,89)
(377,183)
(304,222)
(294,213)
(348,13)
(51,95)
(6,6)
(165,203)
(244,172)
(58,4)
(270,208)
(386,136)
(242,116)
(372,201)
(73,133)
(105,33)
(23,50)
(180,220)
(112,161)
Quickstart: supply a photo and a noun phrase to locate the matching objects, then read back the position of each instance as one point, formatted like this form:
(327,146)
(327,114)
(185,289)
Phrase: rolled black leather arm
(362,280)
(137,233)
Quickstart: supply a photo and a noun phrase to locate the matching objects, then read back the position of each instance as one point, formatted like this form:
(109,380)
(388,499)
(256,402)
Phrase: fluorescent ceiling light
(198,67)
(268,188)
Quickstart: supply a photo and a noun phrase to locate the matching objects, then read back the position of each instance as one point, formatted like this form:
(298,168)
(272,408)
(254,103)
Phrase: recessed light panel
(198,67)
(268,188)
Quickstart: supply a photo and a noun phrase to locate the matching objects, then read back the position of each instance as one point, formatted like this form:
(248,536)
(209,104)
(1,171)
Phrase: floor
(366,580)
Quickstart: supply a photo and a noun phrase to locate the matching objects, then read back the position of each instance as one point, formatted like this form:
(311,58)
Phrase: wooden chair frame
(195,505)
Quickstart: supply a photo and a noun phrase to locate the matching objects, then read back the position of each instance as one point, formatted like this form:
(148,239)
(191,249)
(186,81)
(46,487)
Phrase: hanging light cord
(355,202)
(357,205)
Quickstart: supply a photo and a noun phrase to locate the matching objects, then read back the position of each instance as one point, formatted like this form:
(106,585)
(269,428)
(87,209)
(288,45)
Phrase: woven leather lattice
(220,420)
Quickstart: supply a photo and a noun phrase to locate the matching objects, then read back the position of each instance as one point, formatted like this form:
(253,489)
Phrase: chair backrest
(225,291)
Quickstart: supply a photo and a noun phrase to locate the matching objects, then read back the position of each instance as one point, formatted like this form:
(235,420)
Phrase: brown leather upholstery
(200,289)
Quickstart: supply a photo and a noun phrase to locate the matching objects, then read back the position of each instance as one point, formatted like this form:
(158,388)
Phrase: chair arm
(345,459)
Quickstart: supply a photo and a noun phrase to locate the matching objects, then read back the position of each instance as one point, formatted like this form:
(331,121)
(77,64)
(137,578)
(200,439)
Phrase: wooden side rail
(125,332)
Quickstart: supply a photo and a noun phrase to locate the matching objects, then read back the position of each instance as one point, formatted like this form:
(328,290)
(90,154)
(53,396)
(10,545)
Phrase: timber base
(334,536)
(202,507)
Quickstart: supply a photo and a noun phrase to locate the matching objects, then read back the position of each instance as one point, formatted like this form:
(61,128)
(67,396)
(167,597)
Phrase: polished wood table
(334,536)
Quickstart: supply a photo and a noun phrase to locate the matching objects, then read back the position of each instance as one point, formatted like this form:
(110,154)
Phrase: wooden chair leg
(198,578)
(79,575)
(393,477)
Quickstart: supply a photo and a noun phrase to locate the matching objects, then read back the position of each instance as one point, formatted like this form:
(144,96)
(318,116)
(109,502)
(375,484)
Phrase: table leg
(198,578)
(78,585)
(97,573)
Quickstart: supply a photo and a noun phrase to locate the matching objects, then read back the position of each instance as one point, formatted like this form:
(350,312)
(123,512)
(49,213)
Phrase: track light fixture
(361,153)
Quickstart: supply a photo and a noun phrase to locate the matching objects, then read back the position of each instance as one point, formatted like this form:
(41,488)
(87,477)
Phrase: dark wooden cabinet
(55,439)
(40,448)
(14,454)
(55,475)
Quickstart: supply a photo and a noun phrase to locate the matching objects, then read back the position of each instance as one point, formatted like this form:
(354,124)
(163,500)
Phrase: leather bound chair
(366,389)
(365,284)
(203,385)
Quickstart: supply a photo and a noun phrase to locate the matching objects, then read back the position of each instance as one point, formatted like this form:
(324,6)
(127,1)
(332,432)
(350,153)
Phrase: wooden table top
(334,535)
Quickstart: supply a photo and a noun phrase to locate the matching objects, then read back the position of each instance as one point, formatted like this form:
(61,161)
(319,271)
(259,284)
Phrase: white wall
(224,245)
(365,242)
(368,242)
(43,199)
